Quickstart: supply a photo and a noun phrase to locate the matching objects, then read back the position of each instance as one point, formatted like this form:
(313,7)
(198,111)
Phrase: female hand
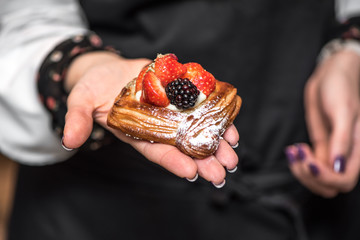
(332,108)
(94,80)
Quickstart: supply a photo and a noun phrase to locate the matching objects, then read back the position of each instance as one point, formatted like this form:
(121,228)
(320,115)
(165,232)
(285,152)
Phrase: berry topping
(201,78)
(153,92)
(167,68)
(183,82)
(182,93)
(140,78)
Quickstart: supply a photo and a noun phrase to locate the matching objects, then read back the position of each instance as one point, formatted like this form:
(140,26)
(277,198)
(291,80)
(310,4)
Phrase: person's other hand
(94,80)
(332,108)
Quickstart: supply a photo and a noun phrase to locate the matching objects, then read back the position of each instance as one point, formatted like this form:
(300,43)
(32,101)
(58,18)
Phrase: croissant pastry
(193,122)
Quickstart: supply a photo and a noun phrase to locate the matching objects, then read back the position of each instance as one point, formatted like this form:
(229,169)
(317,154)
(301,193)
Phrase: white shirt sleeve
(28,32)
(346,9)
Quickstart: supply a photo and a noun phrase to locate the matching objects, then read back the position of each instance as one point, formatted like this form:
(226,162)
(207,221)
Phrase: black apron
(267,49)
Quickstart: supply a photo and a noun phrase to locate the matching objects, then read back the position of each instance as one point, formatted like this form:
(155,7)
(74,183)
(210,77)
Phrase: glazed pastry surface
(196,131)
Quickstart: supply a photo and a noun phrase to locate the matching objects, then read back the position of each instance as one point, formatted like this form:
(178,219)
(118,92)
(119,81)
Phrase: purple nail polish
(339,164)
(301,154)
(314,169)
(290,156)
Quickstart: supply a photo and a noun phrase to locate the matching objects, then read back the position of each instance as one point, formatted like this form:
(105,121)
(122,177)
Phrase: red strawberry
(140,78)
(192,70)
(167,68)
(193,67)
(153,92)
(201,78)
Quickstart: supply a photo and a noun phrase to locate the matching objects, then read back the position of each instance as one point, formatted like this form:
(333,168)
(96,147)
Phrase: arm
(28,31)
(332,107)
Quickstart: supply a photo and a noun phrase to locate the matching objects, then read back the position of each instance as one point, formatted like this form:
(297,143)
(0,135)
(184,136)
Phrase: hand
(332,108)
(94,80)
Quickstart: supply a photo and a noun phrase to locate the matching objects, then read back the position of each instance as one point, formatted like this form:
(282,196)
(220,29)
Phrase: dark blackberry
(182,93)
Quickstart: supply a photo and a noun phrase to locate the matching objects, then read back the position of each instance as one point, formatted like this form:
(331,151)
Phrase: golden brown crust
(196,132)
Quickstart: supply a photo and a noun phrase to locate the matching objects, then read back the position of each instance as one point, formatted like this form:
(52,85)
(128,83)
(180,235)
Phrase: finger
(304,167)
(320,178)
(167,156)
(340,144)
(211,169)
(231,135)
(78,120)
(343,121)
(350,177)
(297,160)
(180,164)
(317,128)
(227,156)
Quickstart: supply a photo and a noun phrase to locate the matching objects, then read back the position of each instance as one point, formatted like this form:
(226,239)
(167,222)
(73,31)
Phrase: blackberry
(182,93)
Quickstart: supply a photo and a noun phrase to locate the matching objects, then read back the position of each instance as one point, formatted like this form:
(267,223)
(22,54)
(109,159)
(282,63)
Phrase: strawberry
(167,68)
(140,78)
(201,78)
(153,92)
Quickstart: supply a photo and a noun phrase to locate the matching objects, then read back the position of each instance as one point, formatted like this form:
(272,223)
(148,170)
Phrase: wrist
(347,38)
(339,45)
(54,70)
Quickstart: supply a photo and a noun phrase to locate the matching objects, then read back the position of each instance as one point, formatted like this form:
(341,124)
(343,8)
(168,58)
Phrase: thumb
(78,120)
(341,140)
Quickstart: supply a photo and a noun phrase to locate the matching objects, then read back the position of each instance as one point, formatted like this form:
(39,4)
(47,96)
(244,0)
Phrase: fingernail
(235,146)
(220,185)
(290,156)
(314,169)
(301,154)
(63,145)
(339,164)
(232,170)
(193,179)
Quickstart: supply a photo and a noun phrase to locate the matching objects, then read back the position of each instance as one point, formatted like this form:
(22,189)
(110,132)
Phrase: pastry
(178,104)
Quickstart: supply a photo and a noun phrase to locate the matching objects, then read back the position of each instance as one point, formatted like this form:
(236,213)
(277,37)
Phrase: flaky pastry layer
(196,131)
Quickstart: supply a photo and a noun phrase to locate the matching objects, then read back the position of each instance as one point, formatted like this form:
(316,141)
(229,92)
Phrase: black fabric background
(267,49)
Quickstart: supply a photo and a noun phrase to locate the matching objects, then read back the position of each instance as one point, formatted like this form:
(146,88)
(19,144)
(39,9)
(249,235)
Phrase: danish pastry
(178,104)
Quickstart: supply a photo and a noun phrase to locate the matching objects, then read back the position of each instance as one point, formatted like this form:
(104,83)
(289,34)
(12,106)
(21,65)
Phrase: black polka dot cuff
(52,73)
